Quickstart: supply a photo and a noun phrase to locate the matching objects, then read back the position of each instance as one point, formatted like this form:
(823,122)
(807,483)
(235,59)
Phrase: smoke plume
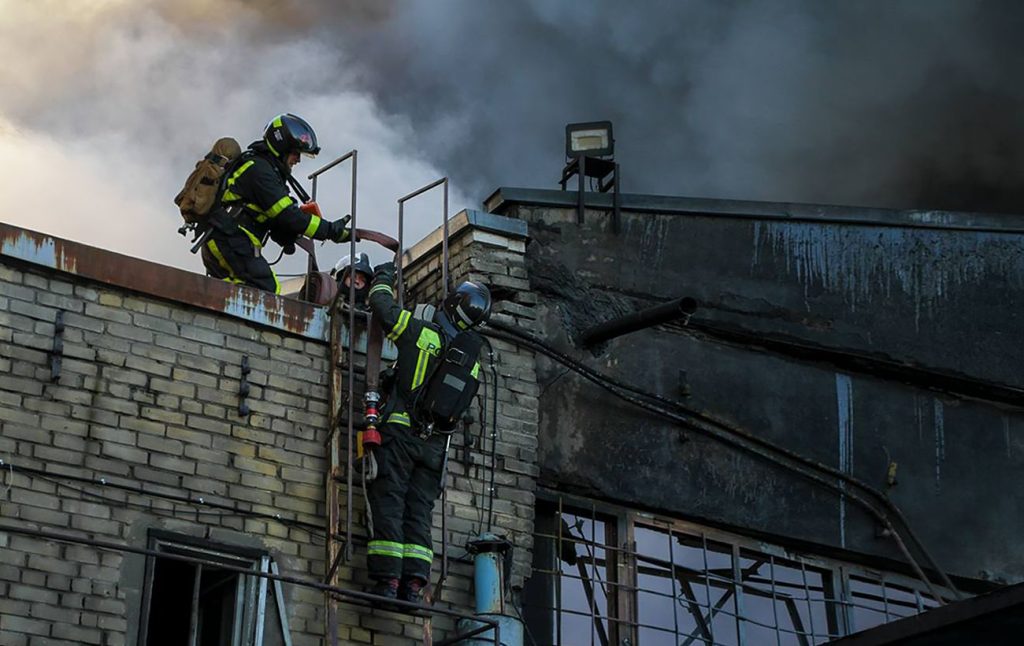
(106,104)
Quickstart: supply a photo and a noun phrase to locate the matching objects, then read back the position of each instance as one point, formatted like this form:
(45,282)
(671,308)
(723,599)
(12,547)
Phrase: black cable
(494,433)
(724,426)
(483,429)
(350,595)
(727,434)
(224,509)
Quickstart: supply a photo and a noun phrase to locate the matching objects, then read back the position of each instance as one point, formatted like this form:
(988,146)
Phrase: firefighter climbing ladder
(341,471)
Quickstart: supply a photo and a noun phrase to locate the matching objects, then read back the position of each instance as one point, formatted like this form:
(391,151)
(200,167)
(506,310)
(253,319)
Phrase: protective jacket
(255,206)
(409,464)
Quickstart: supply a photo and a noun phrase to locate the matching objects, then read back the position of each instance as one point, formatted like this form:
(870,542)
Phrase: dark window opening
(190,603)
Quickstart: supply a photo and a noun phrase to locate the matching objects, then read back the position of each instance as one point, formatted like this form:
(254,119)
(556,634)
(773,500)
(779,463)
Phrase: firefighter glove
(385,274)
(339,231)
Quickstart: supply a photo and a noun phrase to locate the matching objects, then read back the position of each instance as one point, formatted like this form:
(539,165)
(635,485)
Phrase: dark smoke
(899,104)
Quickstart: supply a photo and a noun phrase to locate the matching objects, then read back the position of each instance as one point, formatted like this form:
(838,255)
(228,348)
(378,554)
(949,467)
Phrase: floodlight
(591,139)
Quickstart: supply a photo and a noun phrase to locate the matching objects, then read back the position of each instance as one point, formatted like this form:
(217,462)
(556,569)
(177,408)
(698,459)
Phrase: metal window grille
(199,604)
(617,577)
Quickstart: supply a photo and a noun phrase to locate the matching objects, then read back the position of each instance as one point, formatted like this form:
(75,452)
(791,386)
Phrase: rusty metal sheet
(160,281)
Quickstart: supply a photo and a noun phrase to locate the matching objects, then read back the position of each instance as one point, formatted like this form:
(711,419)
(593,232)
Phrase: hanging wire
(736,438)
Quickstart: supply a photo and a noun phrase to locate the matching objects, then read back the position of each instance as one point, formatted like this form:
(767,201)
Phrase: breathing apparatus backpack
(449,389)
(202,188)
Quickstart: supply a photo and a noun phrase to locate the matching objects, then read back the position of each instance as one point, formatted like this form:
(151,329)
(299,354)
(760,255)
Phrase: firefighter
(255,205)
(362,273)
(411,454)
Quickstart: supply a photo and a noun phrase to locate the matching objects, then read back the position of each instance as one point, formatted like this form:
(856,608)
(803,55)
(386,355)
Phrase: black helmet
(288,133)
(468,306)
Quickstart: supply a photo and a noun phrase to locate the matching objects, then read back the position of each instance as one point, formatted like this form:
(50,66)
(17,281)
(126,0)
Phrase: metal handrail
(444,238)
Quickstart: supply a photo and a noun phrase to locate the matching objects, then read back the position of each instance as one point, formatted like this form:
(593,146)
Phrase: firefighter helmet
(466,307)
(287,133)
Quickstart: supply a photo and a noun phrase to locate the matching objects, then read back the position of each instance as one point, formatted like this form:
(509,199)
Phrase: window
(621,578)
(187,602)
(575,560)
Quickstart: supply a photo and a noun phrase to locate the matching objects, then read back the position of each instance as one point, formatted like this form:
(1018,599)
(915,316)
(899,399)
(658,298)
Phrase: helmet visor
(305,141)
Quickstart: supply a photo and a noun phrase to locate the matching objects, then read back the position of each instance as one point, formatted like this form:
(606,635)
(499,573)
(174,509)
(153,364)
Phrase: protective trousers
(402,501)
(234,257)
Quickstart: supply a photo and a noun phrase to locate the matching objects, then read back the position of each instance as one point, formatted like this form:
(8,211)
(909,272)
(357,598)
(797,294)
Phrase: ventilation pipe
(492,562)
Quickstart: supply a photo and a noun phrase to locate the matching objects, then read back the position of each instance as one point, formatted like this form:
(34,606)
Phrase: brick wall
(147,397)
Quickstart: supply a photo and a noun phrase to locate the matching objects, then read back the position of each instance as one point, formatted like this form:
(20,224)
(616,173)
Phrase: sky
(106,104)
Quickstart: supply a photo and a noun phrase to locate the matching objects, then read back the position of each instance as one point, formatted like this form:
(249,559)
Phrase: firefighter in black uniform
(255,205)
(411,455)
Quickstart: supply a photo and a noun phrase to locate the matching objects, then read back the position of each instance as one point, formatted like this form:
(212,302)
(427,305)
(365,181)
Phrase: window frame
(622,563)
(251,593)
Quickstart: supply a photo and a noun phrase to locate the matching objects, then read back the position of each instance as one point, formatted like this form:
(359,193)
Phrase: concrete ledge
(168,283)
(464,221)
(505,197)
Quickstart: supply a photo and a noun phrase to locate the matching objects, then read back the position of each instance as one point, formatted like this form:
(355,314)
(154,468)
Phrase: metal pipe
(398,254)
(681,307)
(445,287)
(580,188)
(350,465)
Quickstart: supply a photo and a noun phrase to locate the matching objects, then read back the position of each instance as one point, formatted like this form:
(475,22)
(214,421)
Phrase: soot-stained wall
(857,338)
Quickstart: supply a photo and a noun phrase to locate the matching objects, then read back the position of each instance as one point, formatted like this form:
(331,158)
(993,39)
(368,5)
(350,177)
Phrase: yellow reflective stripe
(381,287)
(277,283)
(221,260)
(314,224)
(403,322)
(418,552)
(429,344)
(229,195)
(277,122)
(399,418)
(238,173)
(255,241)
(279,206)
(421,370)
(385,548)
(476,370)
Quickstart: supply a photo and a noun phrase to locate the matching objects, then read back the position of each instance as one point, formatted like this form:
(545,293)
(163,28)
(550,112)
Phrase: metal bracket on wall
(57,354)
(244,388)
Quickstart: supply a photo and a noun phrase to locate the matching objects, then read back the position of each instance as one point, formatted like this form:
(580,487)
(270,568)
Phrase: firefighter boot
(411,590)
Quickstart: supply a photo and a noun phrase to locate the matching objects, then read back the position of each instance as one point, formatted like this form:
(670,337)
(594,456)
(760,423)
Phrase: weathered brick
(78,634)
(155,323)
(18,621)
(173,388)
(107,313)
(169,463)
(262,482)
(160,444)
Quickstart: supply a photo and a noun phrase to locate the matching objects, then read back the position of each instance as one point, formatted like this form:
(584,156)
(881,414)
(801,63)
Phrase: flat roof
(505,197)
(993,618)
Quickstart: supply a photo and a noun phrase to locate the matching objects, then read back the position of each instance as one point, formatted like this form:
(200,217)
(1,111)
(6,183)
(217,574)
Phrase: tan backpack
(202,188)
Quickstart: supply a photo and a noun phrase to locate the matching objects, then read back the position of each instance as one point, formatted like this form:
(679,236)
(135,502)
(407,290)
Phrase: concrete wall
(856,338)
